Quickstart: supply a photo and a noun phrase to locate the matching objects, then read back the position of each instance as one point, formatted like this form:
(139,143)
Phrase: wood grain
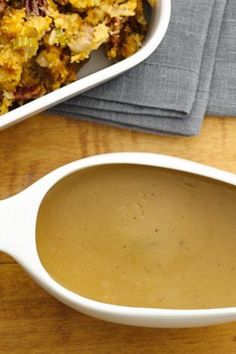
(31,321)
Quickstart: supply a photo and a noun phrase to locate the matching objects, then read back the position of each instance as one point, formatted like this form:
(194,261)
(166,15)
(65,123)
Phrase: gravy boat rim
(18,215)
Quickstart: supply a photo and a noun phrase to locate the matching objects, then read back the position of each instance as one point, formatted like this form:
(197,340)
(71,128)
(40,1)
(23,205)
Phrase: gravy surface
(141,236)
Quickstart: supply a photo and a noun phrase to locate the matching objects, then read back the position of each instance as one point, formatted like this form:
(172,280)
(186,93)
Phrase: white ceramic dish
(97,70)
(18,216)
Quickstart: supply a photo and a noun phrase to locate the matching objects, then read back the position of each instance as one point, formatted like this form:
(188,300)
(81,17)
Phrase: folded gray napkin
(191,72)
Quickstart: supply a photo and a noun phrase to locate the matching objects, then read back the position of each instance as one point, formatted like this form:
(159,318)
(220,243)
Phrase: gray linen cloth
(192,71)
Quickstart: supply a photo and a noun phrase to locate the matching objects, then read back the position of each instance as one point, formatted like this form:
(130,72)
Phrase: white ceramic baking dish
(18,217)
(97,70)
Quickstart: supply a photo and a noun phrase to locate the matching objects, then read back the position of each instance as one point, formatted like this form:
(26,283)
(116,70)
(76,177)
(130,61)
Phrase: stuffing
(43,43)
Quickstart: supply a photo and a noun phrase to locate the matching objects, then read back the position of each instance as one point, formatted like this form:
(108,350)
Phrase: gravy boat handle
(17,218)
(10,216)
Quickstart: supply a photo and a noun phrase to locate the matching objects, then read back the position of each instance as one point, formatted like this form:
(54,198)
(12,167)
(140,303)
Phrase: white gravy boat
(18,216)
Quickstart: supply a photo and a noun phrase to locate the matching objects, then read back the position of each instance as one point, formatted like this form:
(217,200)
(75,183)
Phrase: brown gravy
(141,236)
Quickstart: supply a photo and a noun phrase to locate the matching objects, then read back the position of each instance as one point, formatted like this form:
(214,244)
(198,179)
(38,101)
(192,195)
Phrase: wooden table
(31,321)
